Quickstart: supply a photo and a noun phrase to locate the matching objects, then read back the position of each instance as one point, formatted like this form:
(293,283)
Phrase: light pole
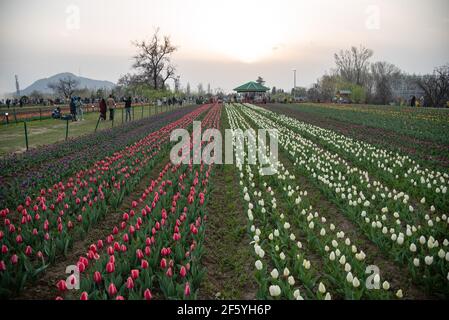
(294,83)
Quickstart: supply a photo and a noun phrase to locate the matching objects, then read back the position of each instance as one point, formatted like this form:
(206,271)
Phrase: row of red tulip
(47,224)
(159,240)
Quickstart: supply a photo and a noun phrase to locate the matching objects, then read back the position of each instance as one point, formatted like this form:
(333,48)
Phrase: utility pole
(294,83)
(17,86)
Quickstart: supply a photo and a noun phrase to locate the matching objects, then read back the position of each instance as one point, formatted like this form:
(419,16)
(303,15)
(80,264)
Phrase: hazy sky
(221,42)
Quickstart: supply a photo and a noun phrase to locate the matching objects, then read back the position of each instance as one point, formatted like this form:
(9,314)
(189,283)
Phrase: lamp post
(294,83)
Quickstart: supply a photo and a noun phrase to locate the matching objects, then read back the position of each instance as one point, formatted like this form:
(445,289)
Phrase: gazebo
(252,91)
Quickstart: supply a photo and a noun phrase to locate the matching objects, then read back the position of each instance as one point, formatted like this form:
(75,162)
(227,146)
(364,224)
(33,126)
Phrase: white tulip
(291,281)
(321,288)
(386,285)
(428,260)
(328,296)
(416,262)
(275,291)
(349,277)
(413,247)
(274,274)
(399,294)
(355,282)
(259,265)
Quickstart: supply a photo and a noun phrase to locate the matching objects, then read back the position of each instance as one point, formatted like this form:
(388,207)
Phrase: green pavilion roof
(252,87)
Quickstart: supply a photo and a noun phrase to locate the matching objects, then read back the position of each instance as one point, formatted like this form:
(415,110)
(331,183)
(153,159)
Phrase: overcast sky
(224,43)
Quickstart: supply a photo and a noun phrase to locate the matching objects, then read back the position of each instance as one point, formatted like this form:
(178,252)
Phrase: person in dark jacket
(103,109)
(73,108)
(128,108)
(413,102)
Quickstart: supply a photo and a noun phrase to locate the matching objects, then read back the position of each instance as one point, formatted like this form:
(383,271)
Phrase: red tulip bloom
(163,263)
(130,283)
(119,298)
(97,277)
(2,265)
(135,274)
(112,290)
(28,251)
(183,272)
(169,272)
(62,286)
(139,254)
(19,239)
(14,259)
(110,267)
(4,249)
(84,296)
(144,264)
(147,294)
(187,290)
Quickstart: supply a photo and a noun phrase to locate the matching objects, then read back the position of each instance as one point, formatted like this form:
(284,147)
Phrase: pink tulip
(28,251)
(97,277)
(144,264)
(135,274)
(110,267)
(130,283)
(147,294)
(183,272)
(14,259)
(62,286)
(169,272)
(163,263)
(2,265)
(112,290)
(187,290)
(139,254)
(84,296)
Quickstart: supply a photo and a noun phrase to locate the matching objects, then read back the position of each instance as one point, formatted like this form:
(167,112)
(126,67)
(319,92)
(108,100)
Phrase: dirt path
(45,287)
(229,272)
(431,152)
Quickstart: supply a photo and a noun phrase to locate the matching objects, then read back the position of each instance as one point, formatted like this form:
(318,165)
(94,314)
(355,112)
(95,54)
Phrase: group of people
(76,109)
(111,105)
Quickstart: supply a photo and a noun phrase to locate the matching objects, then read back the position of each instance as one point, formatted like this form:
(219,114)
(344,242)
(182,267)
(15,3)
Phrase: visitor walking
(128,109)
(111,106)
(73,108)
(79,109)
(103,109)
(413,102)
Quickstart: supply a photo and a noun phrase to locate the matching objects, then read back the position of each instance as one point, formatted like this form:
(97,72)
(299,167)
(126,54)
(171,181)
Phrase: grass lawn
(12,136)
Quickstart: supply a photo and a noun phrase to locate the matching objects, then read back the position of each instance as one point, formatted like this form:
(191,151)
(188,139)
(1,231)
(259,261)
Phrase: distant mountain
(42,84)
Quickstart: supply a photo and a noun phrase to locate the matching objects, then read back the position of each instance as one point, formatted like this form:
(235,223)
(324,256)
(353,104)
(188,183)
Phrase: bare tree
(153,59)
(436,86)
(353,63)
(64,87)
(383,74)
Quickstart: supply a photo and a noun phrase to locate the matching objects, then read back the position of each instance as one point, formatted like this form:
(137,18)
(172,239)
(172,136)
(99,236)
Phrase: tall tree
(64,87)
(153,60)
(436,86)
(353,63)
(200,89)
(188,89)
(383,74)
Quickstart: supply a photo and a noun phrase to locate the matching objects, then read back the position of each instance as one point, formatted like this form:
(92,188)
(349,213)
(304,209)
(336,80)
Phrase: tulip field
(340,219)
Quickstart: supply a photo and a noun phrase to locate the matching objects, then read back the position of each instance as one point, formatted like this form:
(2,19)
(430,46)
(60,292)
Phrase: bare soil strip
(229,271)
